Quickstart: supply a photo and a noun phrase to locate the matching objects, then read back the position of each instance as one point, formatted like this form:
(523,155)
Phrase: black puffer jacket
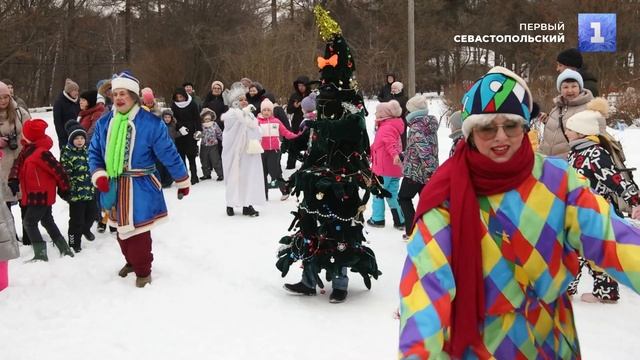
(186,116)
(295,98)
(216,103)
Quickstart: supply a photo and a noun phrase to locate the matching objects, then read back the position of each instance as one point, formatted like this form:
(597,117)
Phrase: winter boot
(220,178)
(126,269)
(40,251)
(605,289)
(102,227)
(143,281)
(74,242)
(63,247)
(205,177)
(396,220)
(338,296)
(250,211)
(376,223)
(299,289)
(89,235)
(230,211)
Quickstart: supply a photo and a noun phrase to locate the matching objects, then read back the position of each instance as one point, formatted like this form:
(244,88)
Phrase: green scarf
(117,144)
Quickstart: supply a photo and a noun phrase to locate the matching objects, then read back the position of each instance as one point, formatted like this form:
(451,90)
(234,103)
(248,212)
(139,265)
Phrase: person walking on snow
(187,115)
(122,156)
(496,242)
(421,157)
(386,162)
(36,174)
(241,161)
(590,157)
(272,129)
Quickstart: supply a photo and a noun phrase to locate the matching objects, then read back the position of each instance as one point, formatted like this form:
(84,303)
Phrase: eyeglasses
(510,128)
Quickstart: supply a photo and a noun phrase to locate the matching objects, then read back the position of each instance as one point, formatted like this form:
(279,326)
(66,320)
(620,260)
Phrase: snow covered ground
(216,293)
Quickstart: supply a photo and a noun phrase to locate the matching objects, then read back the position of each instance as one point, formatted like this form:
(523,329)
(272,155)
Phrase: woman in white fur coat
(241,160)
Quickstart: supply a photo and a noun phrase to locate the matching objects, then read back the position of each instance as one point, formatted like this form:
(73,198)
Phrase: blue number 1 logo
(597,32)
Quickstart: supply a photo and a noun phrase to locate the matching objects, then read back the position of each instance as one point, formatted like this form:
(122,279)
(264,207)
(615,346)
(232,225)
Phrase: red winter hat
(33,130)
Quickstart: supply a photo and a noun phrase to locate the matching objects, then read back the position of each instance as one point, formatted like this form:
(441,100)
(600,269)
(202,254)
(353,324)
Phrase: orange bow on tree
(333,61)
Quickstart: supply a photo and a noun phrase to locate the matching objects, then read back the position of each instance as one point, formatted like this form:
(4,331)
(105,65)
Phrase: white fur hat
(125,80)
(589,122)
(418,102)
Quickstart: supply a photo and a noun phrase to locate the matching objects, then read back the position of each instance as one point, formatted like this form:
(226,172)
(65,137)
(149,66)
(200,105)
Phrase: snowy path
(216,294)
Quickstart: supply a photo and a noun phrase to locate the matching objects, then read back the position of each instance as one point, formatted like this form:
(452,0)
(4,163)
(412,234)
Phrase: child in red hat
(37,174)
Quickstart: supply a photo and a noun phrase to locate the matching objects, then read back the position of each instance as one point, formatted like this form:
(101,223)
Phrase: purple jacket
(386,146)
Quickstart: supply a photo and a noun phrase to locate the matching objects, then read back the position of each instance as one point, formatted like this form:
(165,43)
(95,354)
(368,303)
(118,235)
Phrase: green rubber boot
(39,251)
(63,247)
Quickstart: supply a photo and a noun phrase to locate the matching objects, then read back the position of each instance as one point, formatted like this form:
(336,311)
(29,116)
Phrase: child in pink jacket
(385,159)
(272,129)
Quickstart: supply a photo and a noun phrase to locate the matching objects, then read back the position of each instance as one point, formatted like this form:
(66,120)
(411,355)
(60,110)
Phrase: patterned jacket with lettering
(593,161)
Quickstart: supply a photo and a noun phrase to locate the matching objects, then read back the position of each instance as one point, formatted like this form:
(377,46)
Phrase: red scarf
(460,180)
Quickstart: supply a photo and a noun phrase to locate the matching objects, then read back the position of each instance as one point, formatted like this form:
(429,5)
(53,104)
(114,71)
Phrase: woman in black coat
(255,96)
(188,124)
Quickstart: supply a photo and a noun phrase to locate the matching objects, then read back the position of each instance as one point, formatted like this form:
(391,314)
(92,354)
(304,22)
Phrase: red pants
(137,253)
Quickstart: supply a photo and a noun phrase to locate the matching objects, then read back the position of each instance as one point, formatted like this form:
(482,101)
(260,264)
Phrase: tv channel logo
(597,32)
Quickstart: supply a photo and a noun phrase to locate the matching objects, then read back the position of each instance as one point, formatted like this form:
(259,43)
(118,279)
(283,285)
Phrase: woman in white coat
(241,160)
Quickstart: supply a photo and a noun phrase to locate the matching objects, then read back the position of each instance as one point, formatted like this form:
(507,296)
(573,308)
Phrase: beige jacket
(10,155)
(554,142)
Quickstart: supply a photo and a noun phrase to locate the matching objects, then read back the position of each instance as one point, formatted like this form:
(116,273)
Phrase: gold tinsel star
(327,26)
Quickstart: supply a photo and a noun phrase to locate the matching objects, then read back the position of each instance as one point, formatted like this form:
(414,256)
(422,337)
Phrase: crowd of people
(502,228)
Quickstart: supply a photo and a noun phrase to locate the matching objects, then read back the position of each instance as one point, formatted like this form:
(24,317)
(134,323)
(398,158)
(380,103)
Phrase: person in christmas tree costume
(329,222)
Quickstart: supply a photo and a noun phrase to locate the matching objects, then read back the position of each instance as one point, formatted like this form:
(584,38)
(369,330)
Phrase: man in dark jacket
(572,59)
(65,108)
(301,90)
(385,92)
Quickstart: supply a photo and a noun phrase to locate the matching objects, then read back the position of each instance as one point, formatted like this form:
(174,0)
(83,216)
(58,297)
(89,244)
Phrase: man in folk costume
(124,149)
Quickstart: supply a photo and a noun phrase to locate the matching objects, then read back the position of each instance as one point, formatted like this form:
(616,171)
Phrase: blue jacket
(151,143)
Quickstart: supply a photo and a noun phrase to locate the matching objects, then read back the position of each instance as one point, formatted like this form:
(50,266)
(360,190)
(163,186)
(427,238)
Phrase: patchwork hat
(499,91)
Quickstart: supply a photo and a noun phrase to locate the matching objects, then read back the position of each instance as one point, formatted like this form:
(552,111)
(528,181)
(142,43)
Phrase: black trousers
(81,216)
(193,168)
(271,166)
(40,214)
(408,189)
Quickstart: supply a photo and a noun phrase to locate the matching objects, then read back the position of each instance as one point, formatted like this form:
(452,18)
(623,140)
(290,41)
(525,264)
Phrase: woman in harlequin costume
(123,152)
(496,242)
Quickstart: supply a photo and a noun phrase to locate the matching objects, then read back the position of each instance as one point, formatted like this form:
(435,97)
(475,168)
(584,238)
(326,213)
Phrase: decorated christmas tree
(335,180)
